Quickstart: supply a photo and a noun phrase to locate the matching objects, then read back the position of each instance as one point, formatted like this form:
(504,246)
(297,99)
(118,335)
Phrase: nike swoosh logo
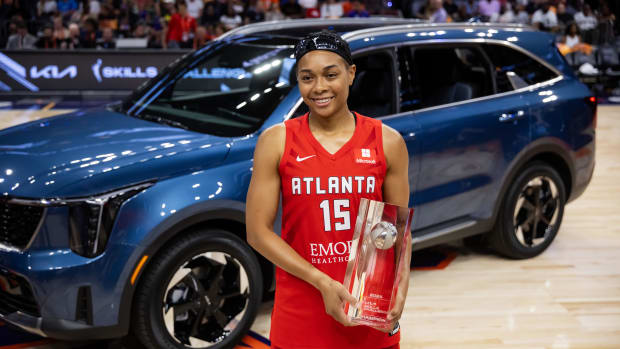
(306,158)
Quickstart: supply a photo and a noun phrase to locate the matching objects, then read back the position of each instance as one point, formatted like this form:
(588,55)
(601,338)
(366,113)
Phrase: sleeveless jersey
(321,193)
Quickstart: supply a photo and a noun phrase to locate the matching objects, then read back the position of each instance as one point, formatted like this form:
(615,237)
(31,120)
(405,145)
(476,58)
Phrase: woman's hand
(396,311)
(334,296)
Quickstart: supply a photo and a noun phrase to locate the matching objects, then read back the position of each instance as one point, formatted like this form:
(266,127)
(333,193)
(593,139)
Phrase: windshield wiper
(164,121)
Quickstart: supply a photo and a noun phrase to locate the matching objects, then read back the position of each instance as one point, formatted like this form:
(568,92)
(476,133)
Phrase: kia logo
(53,72)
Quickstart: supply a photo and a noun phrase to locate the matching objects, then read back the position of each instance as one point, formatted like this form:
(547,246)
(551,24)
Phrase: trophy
(376,260)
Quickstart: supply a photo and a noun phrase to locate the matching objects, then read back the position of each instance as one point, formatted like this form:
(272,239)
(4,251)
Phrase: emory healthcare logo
(337,252)
(365,156)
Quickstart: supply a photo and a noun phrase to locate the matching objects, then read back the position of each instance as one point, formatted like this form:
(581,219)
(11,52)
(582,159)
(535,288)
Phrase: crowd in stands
(88,24)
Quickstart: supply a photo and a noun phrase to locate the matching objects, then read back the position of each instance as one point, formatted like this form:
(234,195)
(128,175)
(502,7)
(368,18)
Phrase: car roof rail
(372,22)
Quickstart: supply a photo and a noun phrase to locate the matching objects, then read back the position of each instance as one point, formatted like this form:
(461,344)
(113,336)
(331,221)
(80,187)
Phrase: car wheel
(202,291)
(531,213)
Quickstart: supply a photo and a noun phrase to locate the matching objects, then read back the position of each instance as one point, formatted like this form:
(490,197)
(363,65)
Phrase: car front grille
(16,295)
(18,223)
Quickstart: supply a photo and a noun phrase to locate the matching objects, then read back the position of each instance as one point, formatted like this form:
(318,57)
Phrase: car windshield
(225,89)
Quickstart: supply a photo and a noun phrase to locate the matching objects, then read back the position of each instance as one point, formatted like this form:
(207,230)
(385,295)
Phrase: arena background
(64,55)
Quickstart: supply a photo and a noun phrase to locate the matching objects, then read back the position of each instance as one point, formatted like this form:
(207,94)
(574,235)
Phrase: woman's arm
(261,210)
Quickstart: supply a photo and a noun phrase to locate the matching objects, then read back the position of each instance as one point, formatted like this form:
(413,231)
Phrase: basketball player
(323,163)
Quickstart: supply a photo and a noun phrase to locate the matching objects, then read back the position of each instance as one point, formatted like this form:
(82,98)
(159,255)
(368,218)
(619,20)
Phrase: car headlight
(91,220)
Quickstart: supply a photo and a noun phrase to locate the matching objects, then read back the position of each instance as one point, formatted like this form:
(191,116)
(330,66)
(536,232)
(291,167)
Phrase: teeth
(325,100)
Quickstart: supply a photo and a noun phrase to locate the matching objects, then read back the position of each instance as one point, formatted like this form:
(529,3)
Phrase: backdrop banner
(91,70)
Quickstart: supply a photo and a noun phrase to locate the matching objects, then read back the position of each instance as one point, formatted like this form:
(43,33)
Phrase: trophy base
(372,322)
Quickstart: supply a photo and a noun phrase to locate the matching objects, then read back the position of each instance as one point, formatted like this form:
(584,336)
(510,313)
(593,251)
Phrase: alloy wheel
(536,211)
(205,299)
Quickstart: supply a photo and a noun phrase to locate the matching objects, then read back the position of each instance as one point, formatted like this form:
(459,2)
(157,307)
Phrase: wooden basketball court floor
(568,297)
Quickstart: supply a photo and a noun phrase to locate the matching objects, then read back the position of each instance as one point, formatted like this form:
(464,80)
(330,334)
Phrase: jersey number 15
(345,223)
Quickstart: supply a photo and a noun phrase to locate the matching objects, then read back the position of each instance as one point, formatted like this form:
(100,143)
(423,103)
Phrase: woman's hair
(570,25)
(326,41)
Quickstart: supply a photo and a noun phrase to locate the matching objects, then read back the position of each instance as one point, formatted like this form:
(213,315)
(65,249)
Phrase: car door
(467,134)
(375,93)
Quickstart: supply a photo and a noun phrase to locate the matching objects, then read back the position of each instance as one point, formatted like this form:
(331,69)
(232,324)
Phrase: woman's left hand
(396,311)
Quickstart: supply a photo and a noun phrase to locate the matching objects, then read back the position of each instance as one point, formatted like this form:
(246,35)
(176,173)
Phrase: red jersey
(321,193)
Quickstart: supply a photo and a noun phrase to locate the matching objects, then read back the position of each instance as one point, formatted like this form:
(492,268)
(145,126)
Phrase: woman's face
(324,79)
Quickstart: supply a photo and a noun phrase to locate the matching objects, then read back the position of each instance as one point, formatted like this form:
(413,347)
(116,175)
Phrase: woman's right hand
(334,296)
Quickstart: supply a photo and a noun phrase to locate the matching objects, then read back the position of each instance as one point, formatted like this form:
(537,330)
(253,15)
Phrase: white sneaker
(588,69)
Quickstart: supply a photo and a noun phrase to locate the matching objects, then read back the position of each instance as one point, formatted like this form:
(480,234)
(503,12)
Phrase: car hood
(91,152)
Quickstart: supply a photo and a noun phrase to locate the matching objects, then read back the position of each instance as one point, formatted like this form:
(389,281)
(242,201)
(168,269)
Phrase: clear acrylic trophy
(382,235)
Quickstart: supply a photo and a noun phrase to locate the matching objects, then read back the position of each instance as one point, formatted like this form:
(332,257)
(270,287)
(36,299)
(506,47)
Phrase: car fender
(547,145)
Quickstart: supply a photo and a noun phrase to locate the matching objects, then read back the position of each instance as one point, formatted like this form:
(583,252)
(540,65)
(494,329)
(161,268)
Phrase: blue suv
(131,217)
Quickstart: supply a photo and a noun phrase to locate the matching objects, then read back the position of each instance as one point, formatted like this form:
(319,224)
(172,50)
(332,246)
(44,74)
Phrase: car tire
(202,290)
(531,213)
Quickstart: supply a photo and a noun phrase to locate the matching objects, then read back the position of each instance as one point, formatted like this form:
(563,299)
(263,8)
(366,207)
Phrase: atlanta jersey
(321,193)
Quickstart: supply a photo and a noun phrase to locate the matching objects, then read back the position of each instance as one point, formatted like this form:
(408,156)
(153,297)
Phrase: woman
(571,42)
(311,160)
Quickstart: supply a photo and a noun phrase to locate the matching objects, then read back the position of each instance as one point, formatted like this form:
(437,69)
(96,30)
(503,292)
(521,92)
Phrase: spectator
(67,7)
(156,39)
(435,12)
(237,6)
(505,14)
(201,38)
(73,41)
(471,9)
(22,39)
(357,10)
(94,8)
(274,13)
(451,8)
(210,13)
(46,8)
(219,30)
(571,36)
(254,13)
(571,42)
(107,19)
(59,32)
(564,18)
(331,9)
(606,25)
(291,9)
(522,16)
(141,31)
(308,4)
(194,7)
(46,41)
(545,19)
(488,8)
(230,19)
(587,23)
(89,35)
(124,26)
(107,39)
(181,28)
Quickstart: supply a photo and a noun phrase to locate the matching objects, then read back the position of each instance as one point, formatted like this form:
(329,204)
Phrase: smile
(322,101)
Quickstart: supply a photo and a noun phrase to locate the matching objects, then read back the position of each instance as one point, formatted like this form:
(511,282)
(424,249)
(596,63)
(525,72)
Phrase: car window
(228,91)
(372,92)
(514,69)
(432,76)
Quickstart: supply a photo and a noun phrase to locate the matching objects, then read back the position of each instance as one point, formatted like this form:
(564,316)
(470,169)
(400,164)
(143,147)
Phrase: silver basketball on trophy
(383,235)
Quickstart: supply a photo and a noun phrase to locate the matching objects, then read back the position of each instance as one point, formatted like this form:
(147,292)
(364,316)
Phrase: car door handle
(510,116)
